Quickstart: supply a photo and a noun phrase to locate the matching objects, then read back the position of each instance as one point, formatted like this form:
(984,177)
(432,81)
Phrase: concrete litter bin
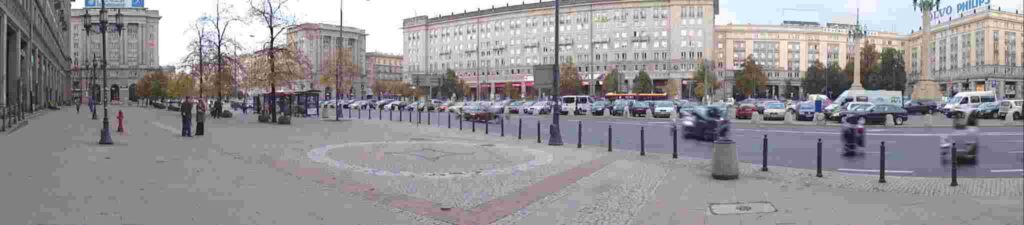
(724,165)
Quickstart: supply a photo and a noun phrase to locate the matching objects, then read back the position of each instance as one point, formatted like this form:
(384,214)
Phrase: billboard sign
(940,14)
(115,3)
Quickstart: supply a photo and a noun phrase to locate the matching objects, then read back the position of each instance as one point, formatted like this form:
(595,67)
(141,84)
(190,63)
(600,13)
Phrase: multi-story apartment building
(131,53)
(383,67)
(34,57)
(786,51)
(979,51)
(316,43)
(487,48)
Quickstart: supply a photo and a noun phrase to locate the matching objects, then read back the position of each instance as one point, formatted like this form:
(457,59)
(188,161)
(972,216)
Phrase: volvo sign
(946,13)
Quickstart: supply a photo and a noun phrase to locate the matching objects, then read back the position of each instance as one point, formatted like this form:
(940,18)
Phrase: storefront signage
(941,14)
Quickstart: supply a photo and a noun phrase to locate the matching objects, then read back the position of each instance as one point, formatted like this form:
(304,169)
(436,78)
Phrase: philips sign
(115,3)
(946,13)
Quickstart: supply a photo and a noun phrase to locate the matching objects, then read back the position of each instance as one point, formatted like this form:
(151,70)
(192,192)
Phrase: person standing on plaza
(200,117)
(186,117)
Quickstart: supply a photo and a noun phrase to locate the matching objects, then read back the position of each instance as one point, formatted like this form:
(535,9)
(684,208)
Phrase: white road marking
(1016,152)
(1008,171)
(165,127)
(880,134)
(873,171)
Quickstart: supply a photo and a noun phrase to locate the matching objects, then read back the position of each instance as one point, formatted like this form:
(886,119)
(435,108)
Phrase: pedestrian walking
(200,117)
(186,118)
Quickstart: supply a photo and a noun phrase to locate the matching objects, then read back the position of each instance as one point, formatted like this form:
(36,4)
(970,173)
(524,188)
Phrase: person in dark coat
(186,117)
(200,117)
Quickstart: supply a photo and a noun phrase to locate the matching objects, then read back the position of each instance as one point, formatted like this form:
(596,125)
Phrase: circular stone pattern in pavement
(429,159)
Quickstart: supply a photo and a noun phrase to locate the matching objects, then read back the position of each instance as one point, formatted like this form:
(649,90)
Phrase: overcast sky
(382,19)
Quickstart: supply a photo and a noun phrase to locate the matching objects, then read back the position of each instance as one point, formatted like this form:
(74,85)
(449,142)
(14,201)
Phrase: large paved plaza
(363,171)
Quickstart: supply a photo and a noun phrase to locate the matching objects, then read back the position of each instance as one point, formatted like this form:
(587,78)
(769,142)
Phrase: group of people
(186,116)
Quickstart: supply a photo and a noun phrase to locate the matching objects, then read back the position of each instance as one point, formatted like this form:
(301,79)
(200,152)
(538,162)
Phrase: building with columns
(34,57)
(489,47)
(316,43)
(131,53)
(980,50)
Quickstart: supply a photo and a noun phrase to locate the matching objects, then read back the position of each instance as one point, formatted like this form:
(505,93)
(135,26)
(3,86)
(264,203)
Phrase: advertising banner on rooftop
(115,3)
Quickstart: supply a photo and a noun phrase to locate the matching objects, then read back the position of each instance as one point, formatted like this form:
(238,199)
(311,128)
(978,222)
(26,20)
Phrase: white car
(1011,107)
(664,109)
(774,110)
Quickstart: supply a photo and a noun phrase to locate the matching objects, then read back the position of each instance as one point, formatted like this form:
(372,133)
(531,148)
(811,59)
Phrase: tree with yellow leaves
(349,70)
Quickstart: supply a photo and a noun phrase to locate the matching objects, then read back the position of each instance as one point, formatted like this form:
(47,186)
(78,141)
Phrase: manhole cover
(742,208)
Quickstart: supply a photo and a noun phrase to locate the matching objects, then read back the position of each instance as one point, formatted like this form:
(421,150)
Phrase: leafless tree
(221,21)
(271,13)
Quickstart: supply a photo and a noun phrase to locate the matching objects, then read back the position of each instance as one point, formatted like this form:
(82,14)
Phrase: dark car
(706,123)
(478,112)
(987,110)
(745,111)
(921,106)
(597,108)
(640,108)
(619,106)
(877,113)
(805,111)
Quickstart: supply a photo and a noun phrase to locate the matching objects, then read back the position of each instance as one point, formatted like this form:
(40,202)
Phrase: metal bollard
(609,138)
(391,115)
(400,116)
(419,117)
(952,157)
(428,118)
(520,129)
(502,127)
(579,135)
(380,113)
(474,125)
(881,163)
(642,152)
(449,120)
(487,127)
(350,112)
(764,154)
(538,131)
(819,157)
(675,142)
(460,123)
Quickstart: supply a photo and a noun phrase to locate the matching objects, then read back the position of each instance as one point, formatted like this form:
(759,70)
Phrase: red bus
(638,97)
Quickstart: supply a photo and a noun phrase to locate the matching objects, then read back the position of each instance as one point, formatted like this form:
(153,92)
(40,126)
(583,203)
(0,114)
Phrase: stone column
(856,65)
(926,88)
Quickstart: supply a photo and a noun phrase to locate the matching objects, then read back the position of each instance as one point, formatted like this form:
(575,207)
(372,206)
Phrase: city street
(363,171)
(911,151)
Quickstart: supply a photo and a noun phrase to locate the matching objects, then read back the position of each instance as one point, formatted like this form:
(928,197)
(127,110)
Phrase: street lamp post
(337,76)
(92,83)
(103,29)
(556,134)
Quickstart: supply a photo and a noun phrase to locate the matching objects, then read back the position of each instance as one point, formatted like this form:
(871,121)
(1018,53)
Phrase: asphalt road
(909,151)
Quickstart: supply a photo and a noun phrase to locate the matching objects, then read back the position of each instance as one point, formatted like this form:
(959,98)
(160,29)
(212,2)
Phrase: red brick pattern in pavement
(486,213)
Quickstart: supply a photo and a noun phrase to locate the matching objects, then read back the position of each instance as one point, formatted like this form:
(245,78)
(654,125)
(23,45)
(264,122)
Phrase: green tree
(702,79)
(643,83)
(450,85)
(611,82)
(892,70)
(813,81)
(751,80)
(839,79)
(569,82)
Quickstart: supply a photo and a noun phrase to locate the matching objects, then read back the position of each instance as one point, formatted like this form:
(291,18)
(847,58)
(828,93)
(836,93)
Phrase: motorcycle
(853,135)
(966,138)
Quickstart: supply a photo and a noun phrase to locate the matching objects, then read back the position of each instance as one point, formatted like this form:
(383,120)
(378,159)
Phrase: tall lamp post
(91,66)
(103,27)
(857,35)
(556,133)
(341,47)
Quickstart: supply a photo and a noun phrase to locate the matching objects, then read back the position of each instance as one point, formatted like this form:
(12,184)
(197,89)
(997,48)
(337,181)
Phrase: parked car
(987,110)
(619,106)
(663,109)
(850,109)
(805,111)
(498,108)
(876,113)
(540,107)
(921,106)
(174,105)
(577,104)
(521,108)
(1010,107)
(598,107)
(513,107)
(774,110)
(745,111)
(706,123)
(639,108)
(478,112)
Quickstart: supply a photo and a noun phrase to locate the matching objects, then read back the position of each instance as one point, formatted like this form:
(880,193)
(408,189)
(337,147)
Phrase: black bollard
(538,131)
(675,142)
(487,127)
(400,116)
(391,115)
(380,113)
(881,163)
(350,112)
(609,138)
(449,120)
(764,154)
(642,152)
(474,125)
(579,135)
(419,117)
(520,130)
(428,118)
(952,158)
(819,157)
(502,127)
(460,123)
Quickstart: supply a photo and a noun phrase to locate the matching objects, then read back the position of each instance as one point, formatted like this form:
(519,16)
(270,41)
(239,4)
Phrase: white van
(872,96)
(577,104)
(965,102)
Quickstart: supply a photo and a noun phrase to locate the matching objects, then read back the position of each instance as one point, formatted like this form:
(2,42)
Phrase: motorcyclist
(852,134)
(966,136)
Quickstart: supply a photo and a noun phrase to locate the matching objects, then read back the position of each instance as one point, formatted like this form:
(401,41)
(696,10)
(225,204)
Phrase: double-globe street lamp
(103,27)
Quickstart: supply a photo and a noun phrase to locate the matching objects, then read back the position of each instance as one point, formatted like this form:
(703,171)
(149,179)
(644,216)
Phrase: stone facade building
(316,43)
(131,53)
(34,57)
